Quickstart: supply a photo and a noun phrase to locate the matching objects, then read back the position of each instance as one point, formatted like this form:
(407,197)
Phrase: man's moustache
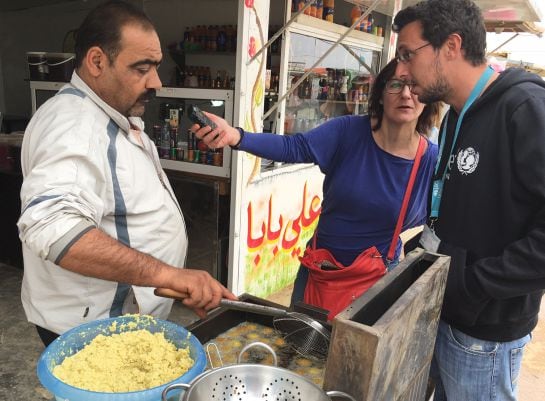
(148,95)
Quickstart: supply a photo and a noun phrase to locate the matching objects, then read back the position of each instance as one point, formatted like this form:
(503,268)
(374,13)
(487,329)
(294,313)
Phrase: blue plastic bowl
(75,339)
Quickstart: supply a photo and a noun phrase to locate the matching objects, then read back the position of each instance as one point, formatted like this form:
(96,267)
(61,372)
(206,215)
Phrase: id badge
(436,194)
(429,240)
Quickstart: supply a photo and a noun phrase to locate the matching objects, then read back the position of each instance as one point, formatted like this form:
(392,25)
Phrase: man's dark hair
(428,118)
(440,18)
(102,27)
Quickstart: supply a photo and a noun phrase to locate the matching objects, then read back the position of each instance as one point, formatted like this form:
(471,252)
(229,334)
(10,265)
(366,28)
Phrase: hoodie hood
(506,80)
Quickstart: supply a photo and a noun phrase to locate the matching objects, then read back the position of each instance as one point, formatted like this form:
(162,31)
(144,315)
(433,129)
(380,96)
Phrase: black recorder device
(198,117)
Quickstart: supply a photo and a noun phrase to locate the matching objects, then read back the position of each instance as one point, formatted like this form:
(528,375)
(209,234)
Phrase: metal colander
(251,382)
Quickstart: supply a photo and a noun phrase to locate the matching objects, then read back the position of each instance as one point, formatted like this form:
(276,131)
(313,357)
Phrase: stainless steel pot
(252,382)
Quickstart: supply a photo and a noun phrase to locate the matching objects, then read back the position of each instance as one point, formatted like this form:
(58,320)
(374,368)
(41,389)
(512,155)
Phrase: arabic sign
(281,218)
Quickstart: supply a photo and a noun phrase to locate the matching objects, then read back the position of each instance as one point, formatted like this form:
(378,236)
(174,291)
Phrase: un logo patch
(467,161)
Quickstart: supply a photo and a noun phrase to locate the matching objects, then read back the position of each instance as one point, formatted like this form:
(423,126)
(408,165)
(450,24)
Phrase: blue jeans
(465,368)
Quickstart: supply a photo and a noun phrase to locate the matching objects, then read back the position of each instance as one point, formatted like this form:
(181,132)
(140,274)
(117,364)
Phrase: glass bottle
(164,147)
(217,82)
(329,10)
(355,14)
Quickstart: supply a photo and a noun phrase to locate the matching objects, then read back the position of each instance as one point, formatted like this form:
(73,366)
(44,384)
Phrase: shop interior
(199,67)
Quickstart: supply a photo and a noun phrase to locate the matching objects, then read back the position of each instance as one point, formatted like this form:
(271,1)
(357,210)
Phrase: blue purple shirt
(363,187)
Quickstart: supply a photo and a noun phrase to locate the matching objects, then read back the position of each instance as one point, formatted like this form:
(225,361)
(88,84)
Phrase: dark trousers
(299,285)
(46,336)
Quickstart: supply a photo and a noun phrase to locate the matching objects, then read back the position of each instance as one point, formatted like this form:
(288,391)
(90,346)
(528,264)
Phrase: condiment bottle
(329,10)
(355,14)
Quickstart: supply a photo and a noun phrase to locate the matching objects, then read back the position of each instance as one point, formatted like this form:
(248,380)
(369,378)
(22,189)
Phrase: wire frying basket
(306,336)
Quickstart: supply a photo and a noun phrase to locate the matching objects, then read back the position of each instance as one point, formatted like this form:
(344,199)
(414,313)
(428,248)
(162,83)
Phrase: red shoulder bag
(333,286)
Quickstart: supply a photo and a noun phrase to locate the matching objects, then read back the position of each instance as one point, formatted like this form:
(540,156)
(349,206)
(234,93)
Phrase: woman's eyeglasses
(395,86)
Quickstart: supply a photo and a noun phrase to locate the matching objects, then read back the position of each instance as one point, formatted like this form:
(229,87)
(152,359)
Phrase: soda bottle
(319,8)
(355,14)
(173,142)
(370,23)
(329,10)
(363,24)
(313,9)
(221,39)
(164,145)
(156,136)
(308,10)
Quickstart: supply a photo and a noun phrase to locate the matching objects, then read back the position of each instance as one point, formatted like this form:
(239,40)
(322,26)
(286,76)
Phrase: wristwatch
(236,145)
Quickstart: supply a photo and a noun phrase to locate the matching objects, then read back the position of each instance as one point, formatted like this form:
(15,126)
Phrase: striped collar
(122,122)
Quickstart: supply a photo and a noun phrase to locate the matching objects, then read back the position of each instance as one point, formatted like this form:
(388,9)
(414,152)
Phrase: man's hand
(200,291)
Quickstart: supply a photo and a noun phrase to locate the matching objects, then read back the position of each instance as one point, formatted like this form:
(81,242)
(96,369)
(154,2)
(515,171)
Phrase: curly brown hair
(441,18)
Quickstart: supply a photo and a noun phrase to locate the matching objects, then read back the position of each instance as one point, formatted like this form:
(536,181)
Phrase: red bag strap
(404,206)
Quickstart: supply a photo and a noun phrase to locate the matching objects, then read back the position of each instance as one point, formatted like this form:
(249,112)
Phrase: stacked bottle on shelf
(172,145)
(367,24)
(323,9)
(272,73)
(272,79)
(191,76)
(214,38)
(335,86)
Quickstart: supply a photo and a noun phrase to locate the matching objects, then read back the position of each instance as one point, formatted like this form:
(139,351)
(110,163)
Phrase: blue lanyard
(437,189)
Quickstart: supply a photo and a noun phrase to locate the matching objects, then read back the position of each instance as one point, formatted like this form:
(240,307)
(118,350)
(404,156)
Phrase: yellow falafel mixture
(128,361)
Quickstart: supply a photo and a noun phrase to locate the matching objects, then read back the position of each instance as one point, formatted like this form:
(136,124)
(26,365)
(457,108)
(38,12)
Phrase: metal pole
(358,59)
(280,32)
(504,43)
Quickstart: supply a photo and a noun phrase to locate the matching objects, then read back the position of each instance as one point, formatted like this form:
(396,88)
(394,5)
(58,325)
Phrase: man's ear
(95,61)
(453,46)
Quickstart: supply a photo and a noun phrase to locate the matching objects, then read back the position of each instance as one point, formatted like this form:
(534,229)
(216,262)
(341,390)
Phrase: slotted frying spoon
(306,336)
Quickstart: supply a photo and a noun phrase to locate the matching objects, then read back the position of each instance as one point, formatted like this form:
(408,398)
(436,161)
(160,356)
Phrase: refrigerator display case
(189,155)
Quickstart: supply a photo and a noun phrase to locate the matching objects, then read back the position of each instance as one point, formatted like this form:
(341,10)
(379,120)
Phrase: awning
(536,28)
(493,10)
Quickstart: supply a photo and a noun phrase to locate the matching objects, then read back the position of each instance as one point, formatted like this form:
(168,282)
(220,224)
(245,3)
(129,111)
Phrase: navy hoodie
(492,214)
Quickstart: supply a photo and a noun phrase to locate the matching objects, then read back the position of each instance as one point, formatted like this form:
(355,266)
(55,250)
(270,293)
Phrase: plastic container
(75,339)
(61,66)
(37,66)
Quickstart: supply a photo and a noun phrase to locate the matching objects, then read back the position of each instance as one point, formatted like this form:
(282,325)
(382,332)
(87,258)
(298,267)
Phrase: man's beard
(438,91)
(138,109)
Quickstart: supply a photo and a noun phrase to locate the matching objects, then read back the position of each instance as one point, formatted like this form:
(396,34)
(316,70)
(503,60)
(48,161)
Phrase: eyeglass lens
(396,86)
